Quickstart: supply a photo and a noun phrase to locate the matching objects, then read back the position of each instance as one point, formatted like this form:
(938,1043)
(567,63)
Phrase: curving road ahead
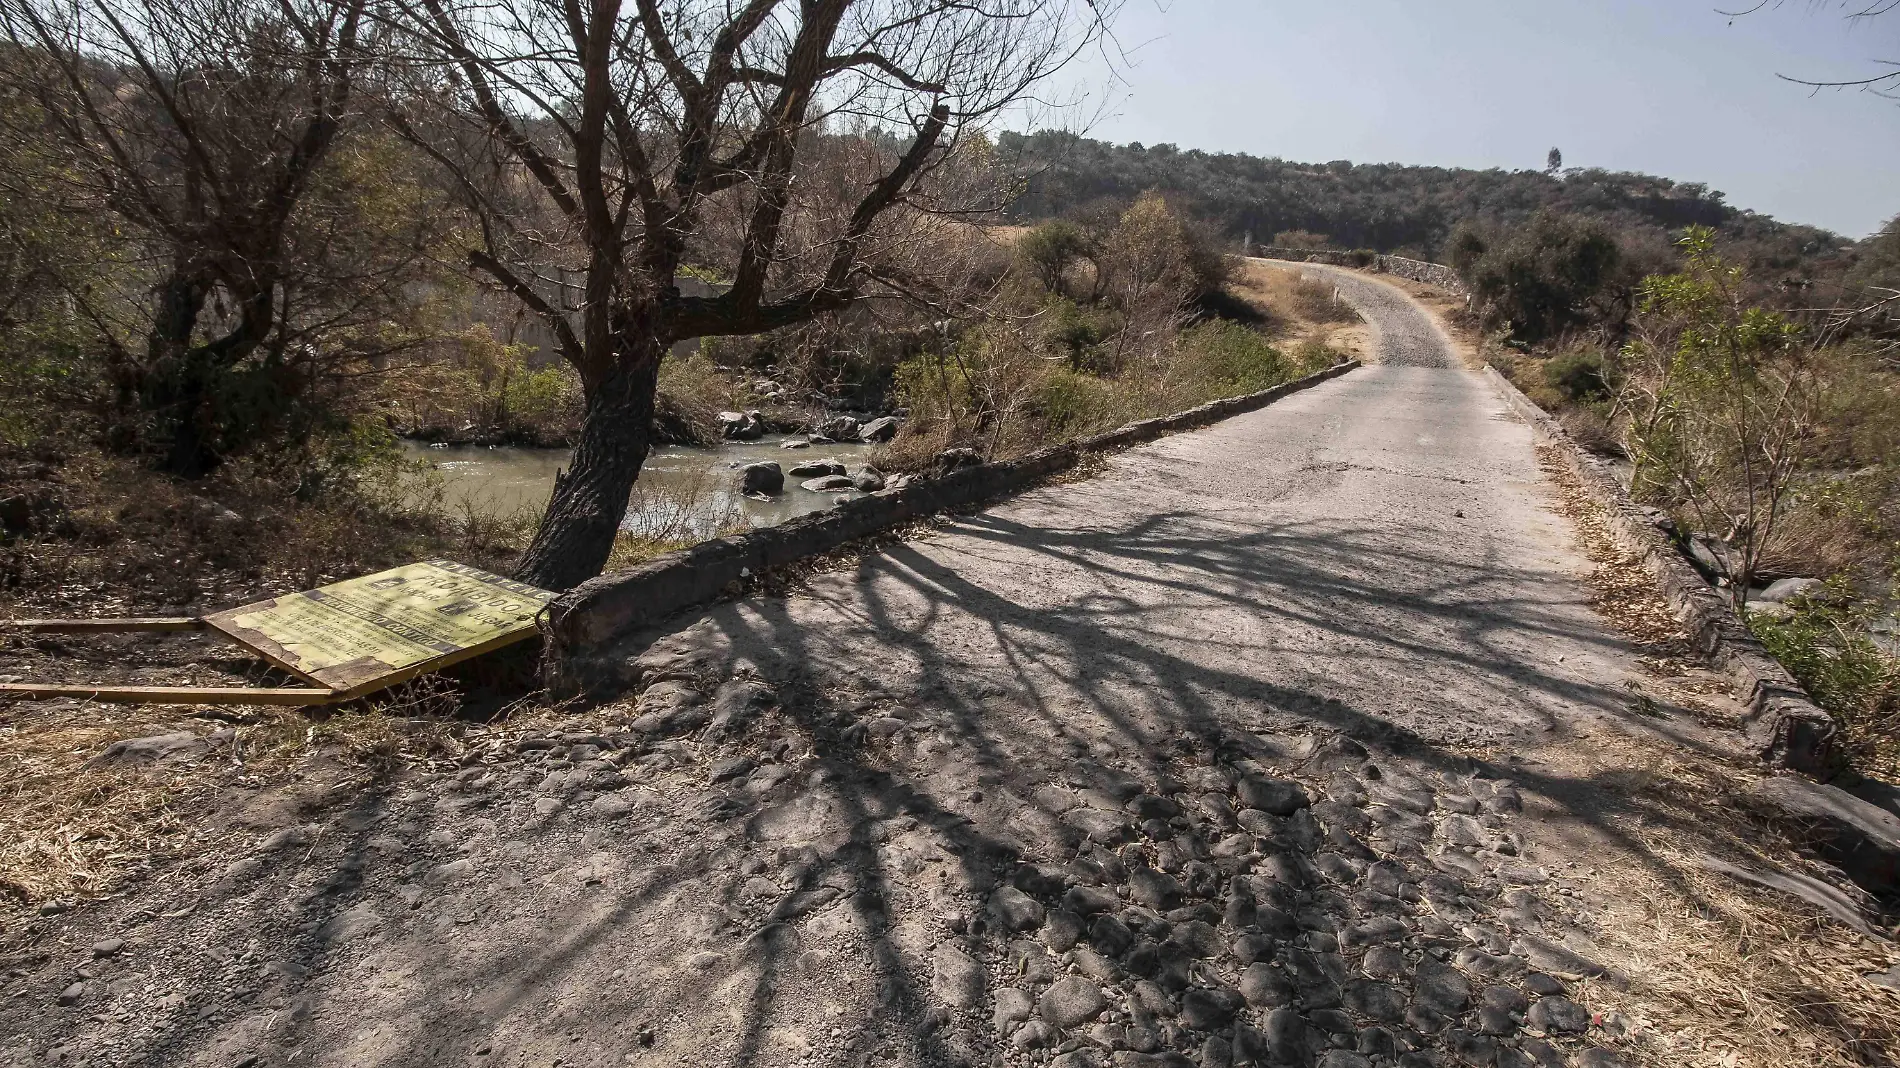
(1019,790)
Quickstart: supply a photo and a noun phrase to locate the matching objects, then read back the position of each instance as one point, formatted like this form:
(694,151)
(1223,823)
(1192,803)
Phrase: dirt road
(1251,748)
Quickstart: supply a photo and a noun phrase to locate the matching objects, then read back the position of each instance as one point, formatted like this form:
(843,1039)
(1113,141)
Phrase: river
(681,490)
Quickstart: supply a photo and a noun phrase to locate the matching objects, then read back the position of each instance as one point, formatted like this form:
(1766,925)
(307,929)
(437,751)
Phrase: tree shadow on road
(937,687)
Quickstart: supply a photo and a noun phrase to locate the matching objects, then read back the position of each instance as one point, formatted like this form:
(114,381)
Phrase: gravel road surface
(1209,759)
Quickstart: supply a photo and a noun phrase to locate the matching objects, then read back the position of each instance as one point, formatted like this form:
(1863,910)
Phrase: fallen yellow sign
(349,638)
(377,630)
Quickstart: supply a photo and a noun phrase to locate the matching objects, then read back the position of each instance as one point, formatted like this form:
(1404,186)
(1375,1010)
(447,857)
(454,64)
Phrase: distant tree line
(1391,207)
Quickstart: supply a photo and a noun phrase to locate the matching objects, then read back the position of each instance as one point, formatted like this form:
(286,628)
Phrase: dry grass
(1297,307)
(1720,974)
(70,828)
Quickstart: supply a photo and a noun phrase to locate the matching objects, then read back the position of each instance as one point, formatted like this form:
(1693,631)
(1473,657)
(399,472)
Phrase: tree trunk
(590,499)
(172,388)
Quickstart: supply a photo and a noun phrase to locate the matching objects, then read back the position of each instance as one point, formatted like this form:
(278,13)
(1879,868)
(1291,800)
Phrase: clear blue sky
(1668,87)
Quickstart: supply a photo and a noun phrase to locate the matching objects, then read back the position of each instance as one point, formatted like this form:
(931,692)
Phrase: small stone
(1012,1007)
(72,994)
(1559,1015)
(611,806)
(1551,957)
(1377,1042)
(1545,1054)
(956,977)
(1152,999)
(108,947)
(1440,989)
(158,749)
(1154,889)
(1286,1036)
(1279,797)
(1216,1052)
(1088,900)
(1374,1000)
(1461,830)
(867,479)
(1070,1002)
(1487,965)
(1111,935)
(883,428)
(1598,1057)
(351,923)
(1033,1035)
(1196,936)
(1510,999)
(1016,911)
(1339,1058)
(1263,986)
(1108,828)
(1379,929)
(1094,965)
(1385,962)
(1479,1051)
(1543,985)
(1062,931)
(1209,1009)
(1424,1019)
(731,768)
(1253,947)
(1336,868)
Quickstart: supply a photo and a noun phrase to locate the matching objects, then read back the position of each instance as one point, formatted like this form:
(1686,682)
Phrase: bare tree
(607,145)
(211,129)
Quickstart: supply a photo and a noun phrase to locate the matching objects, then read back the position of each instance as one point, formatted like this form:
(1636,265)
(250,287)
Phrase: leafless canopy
(606,145)
(796,151)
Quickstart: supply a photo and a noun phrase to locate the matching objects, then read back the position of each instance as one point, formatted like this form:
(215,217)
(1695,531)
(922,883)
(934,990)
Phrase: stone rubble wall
(1432,274)
(581,628)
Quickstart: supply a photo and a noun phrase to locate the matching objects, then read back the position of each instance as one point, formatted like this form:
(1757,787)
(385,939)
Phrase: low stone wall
(580,628)
(1432,274)
(1784,726)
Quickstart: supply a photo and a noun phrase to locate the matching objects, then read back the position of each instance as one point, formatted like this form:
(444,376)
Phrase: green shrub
(1543,278)
(1824,645)
(1075,405)
(1224,359)
(1078,332)
(1581,374)
(1048,251)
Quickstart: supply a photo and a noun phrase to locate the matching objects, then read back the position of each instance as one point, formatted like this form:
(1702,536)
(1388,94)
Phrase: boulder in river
(816,469)
(742,426)
(827,483)
(868,478)
(882,429)
(1781,591)
(838,428)
(764,479)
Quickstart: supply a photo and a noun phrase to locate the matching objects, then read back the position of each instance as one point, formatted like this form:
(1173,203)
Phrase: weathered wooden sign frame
(347,639)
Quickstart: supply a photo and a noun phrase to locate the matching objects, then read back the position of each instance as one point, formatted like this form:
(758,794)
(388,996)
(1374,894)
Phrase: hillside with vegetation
(1392,207)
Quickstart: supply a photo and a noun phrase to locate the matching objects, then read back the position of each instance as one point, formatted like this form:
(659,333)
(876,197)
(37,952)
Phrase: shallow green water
(679,486)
